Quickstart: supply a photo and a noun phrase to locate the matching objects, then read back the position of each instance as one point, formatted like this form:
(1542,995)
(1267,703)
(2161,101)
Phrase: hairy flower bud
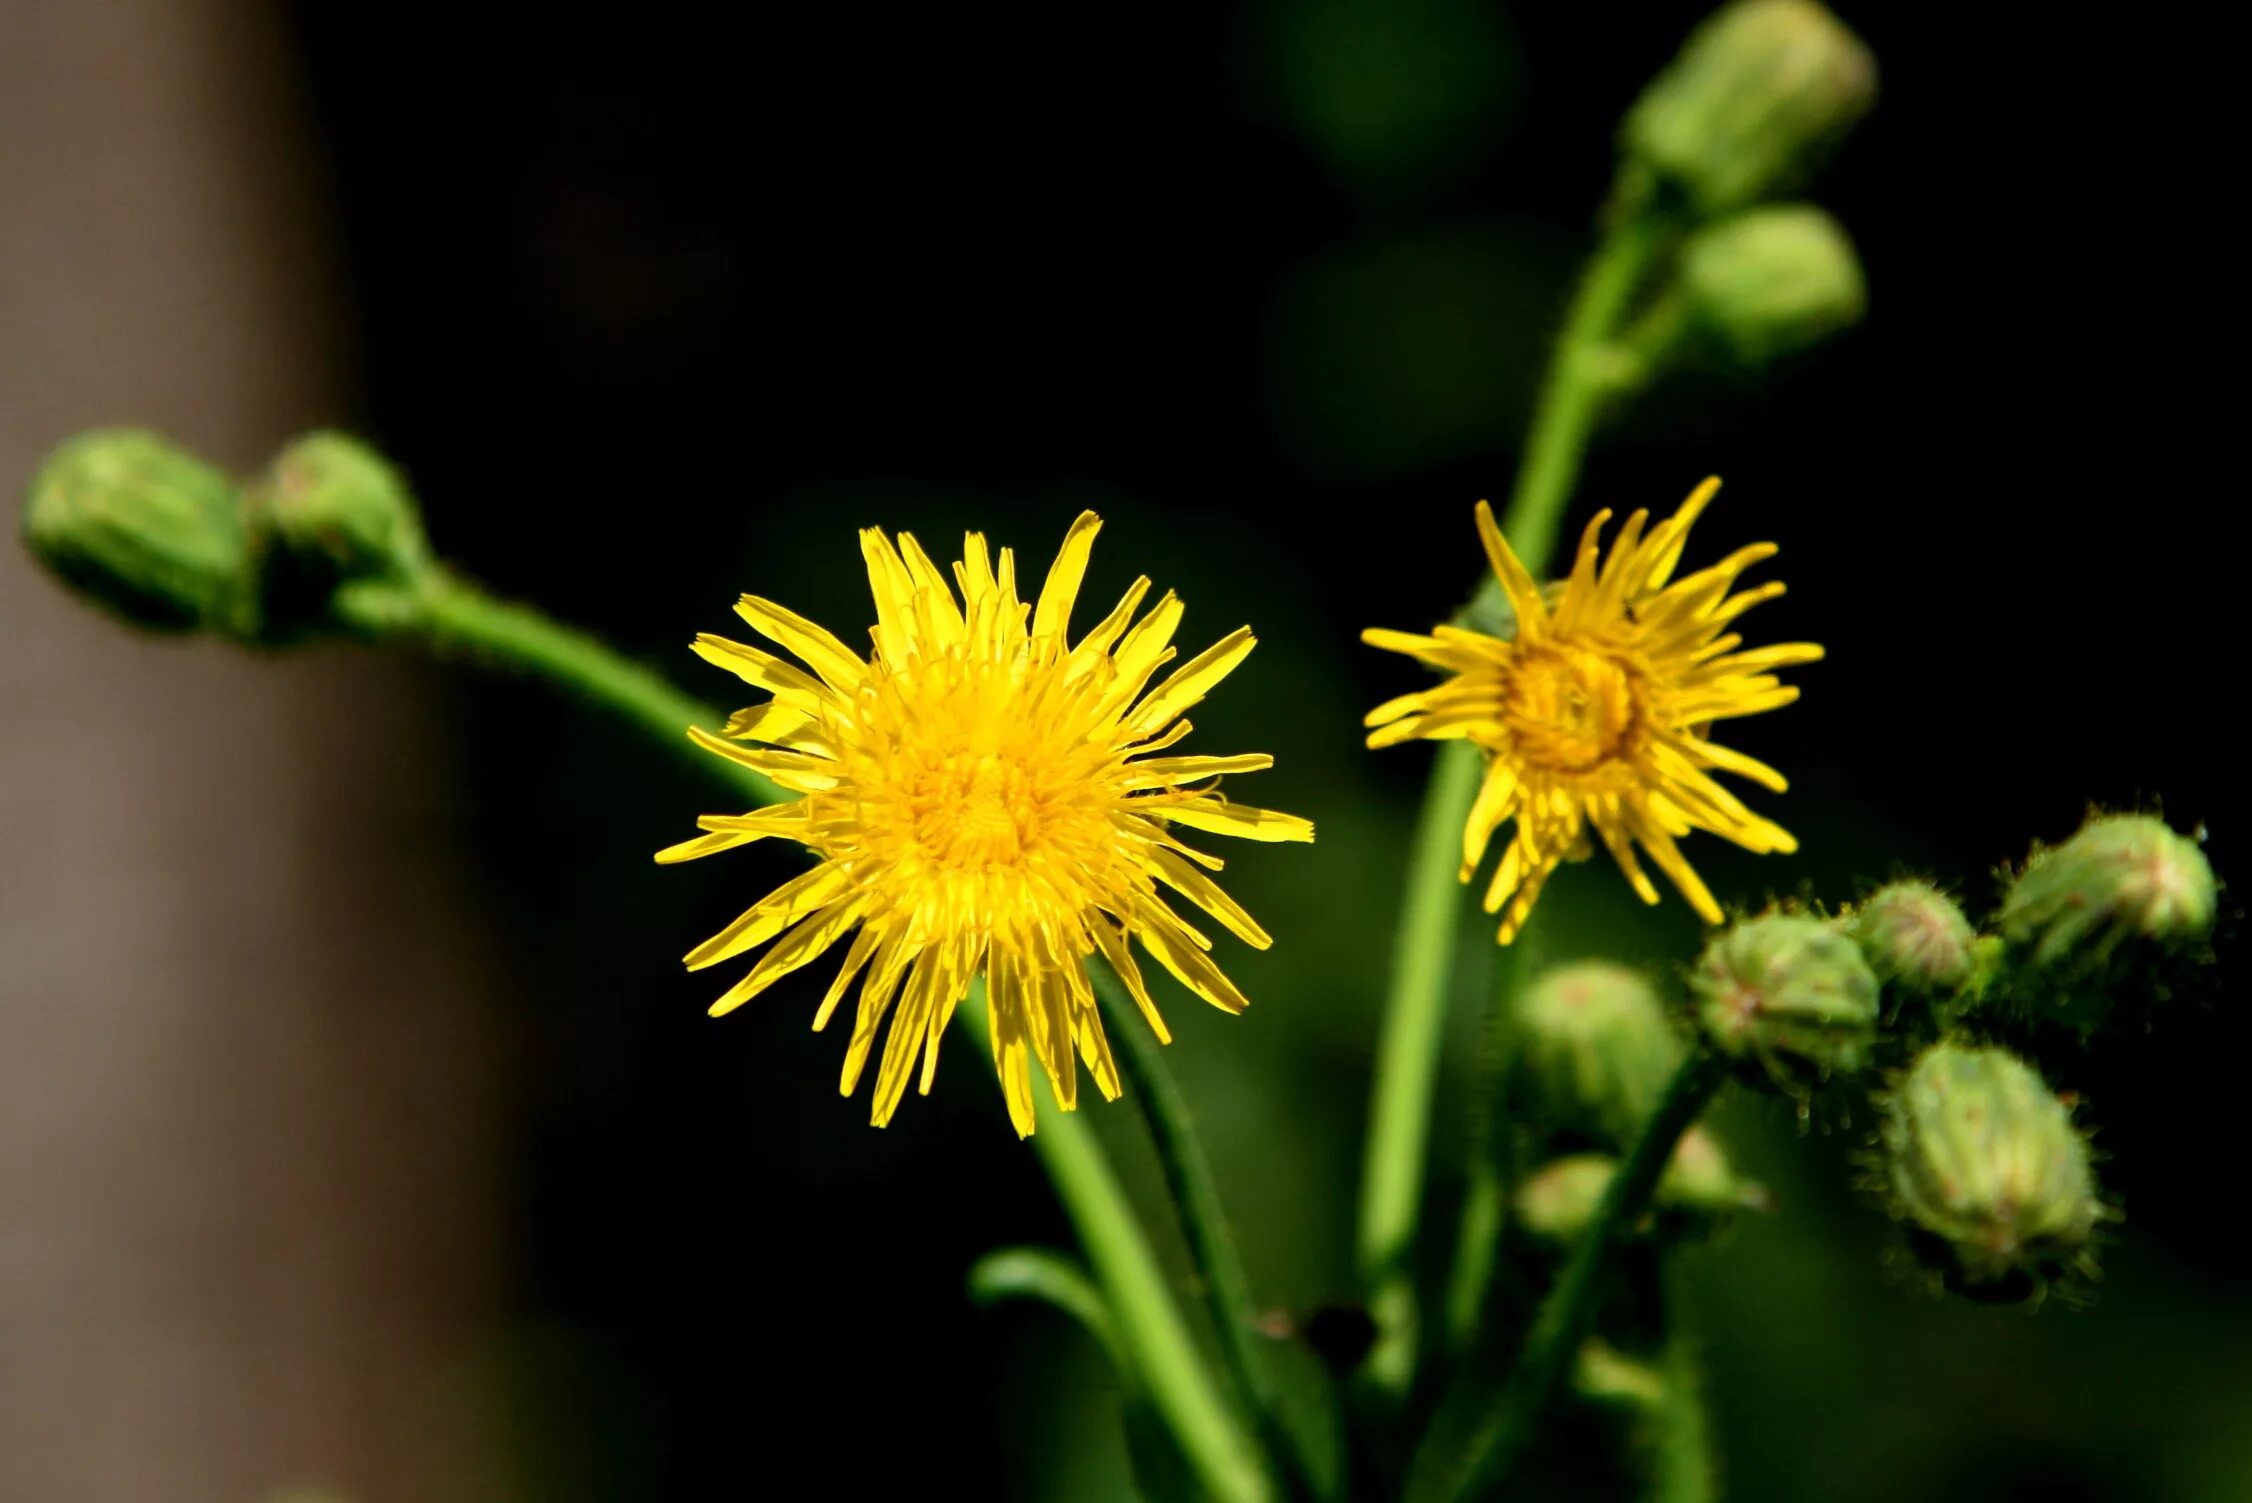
(1983,1162)
(1594,1048)
(1556,1202)
(1770,282)
(1751,101)
(333,498)
(1914,936)
(146,529)
(2123,877)
(1790,993)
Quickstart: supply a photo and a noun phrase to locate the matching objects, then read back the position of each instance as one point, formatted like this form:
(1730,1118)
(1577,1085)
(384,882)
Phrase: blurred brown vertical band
(243,1147)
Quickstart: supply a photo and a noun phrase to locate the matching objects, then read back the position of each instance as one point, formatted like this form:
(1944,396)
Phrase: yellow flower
(986,799)
(1597,715)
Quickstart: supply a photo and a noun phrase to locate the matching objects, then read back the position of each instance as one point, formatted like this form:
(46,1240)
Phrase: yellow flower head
(1597,714)
(986,799)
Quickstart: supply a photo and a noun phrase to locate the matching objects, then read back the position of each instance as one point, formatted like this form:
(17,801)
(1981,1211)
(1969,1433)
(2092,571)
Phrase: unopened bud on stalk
(1789,993)
(1987,1169)
(1556,1202)
(1749,104)
(147,530)
(2123,877)
(1769,282)
(1915,937)
(1594,1048)
(333,498)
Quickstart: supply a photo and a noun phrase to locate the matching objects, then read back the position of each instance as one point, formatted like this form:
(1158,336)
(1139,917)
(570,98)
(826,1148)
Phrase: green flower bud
(1594,1048)
(1988,1171)
(2123,877)
(1790,993)
(147,530)
(1750,103)
(1605,1375)
(1915,937)
(333,498)
(1770,282)
(1556,1202)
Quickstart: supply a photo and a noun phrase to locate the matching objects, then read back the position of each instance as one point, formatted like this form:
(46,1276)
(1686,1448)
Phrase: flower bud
(1556,1202)
(1915,937)
(1750,103)
(146,529)
(1790,993)
(1987,1169)
(2123,877)
(1594,1048)
(1770,282)
(1605,1375)
(334,498)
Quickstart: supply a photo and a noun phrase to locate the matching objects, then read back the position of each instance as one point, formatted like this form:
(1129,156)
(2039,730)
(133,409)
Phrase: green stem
(1681,1434)
(452,616)
(1582,372)
(1485,1199)
(1188,1175)
(1497,1421)
(1407,1054)
(1149,1324)
(1407,1064)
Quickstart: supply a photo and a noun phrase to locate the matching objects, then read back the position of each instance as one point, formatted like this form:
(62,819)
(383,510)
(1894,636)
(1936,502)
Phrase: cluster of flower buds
(146,529)
(1743,115)
(1987,1170)
(1788,998)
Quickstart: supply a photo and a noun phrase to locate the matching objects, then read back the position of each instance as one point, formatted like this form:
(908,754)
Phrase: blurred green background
(435,1182)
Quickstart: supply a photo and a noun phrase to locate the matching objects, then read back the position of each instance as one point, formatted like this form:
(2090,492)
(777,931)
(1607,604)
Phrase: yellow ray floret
(986,798)
(1596,716)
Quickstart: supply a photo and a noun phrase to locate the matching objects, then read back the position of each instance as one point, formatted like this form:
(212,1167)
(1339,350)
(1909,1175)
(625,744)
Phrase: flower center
(1570,709)
(977,812)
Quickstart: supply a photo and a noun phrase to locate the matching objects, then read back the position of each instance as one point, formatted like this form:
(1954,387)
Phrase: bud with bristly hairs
(1989,1174)
(1788,998)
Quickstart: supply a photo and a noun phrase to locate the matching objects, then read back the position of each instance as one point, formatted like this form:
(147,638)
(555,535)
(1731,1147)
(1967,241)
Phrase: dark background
(655,308)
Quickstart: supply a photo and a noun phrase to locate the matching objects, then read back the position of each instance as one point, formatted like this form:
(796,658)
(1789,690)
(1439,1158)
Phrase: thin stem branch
(1407,1054)
(454,618)
(1196,1198)
(1497,1423)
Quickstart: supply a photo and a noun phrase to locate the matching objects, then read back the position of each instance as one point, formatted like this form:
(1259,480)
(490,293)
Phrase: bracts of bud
(1987,1170)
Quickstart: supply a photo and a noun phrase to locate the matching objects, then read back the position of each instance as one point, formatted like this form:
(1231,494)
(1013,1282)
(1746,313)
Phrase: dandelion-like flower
(1596,715)
(986,798)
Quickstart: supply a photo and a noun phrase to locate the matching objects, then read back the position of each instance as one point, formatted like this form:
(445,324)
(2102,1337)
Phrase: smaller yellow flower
(1597,714)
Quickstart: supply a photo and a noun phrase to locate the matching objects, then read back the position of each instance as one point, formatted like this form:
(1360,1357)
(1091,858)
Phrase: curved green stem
(1496,1422)
(1188,1175)
(1407,1054)
(1154,1336)
(452,616)
(1049,1278)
